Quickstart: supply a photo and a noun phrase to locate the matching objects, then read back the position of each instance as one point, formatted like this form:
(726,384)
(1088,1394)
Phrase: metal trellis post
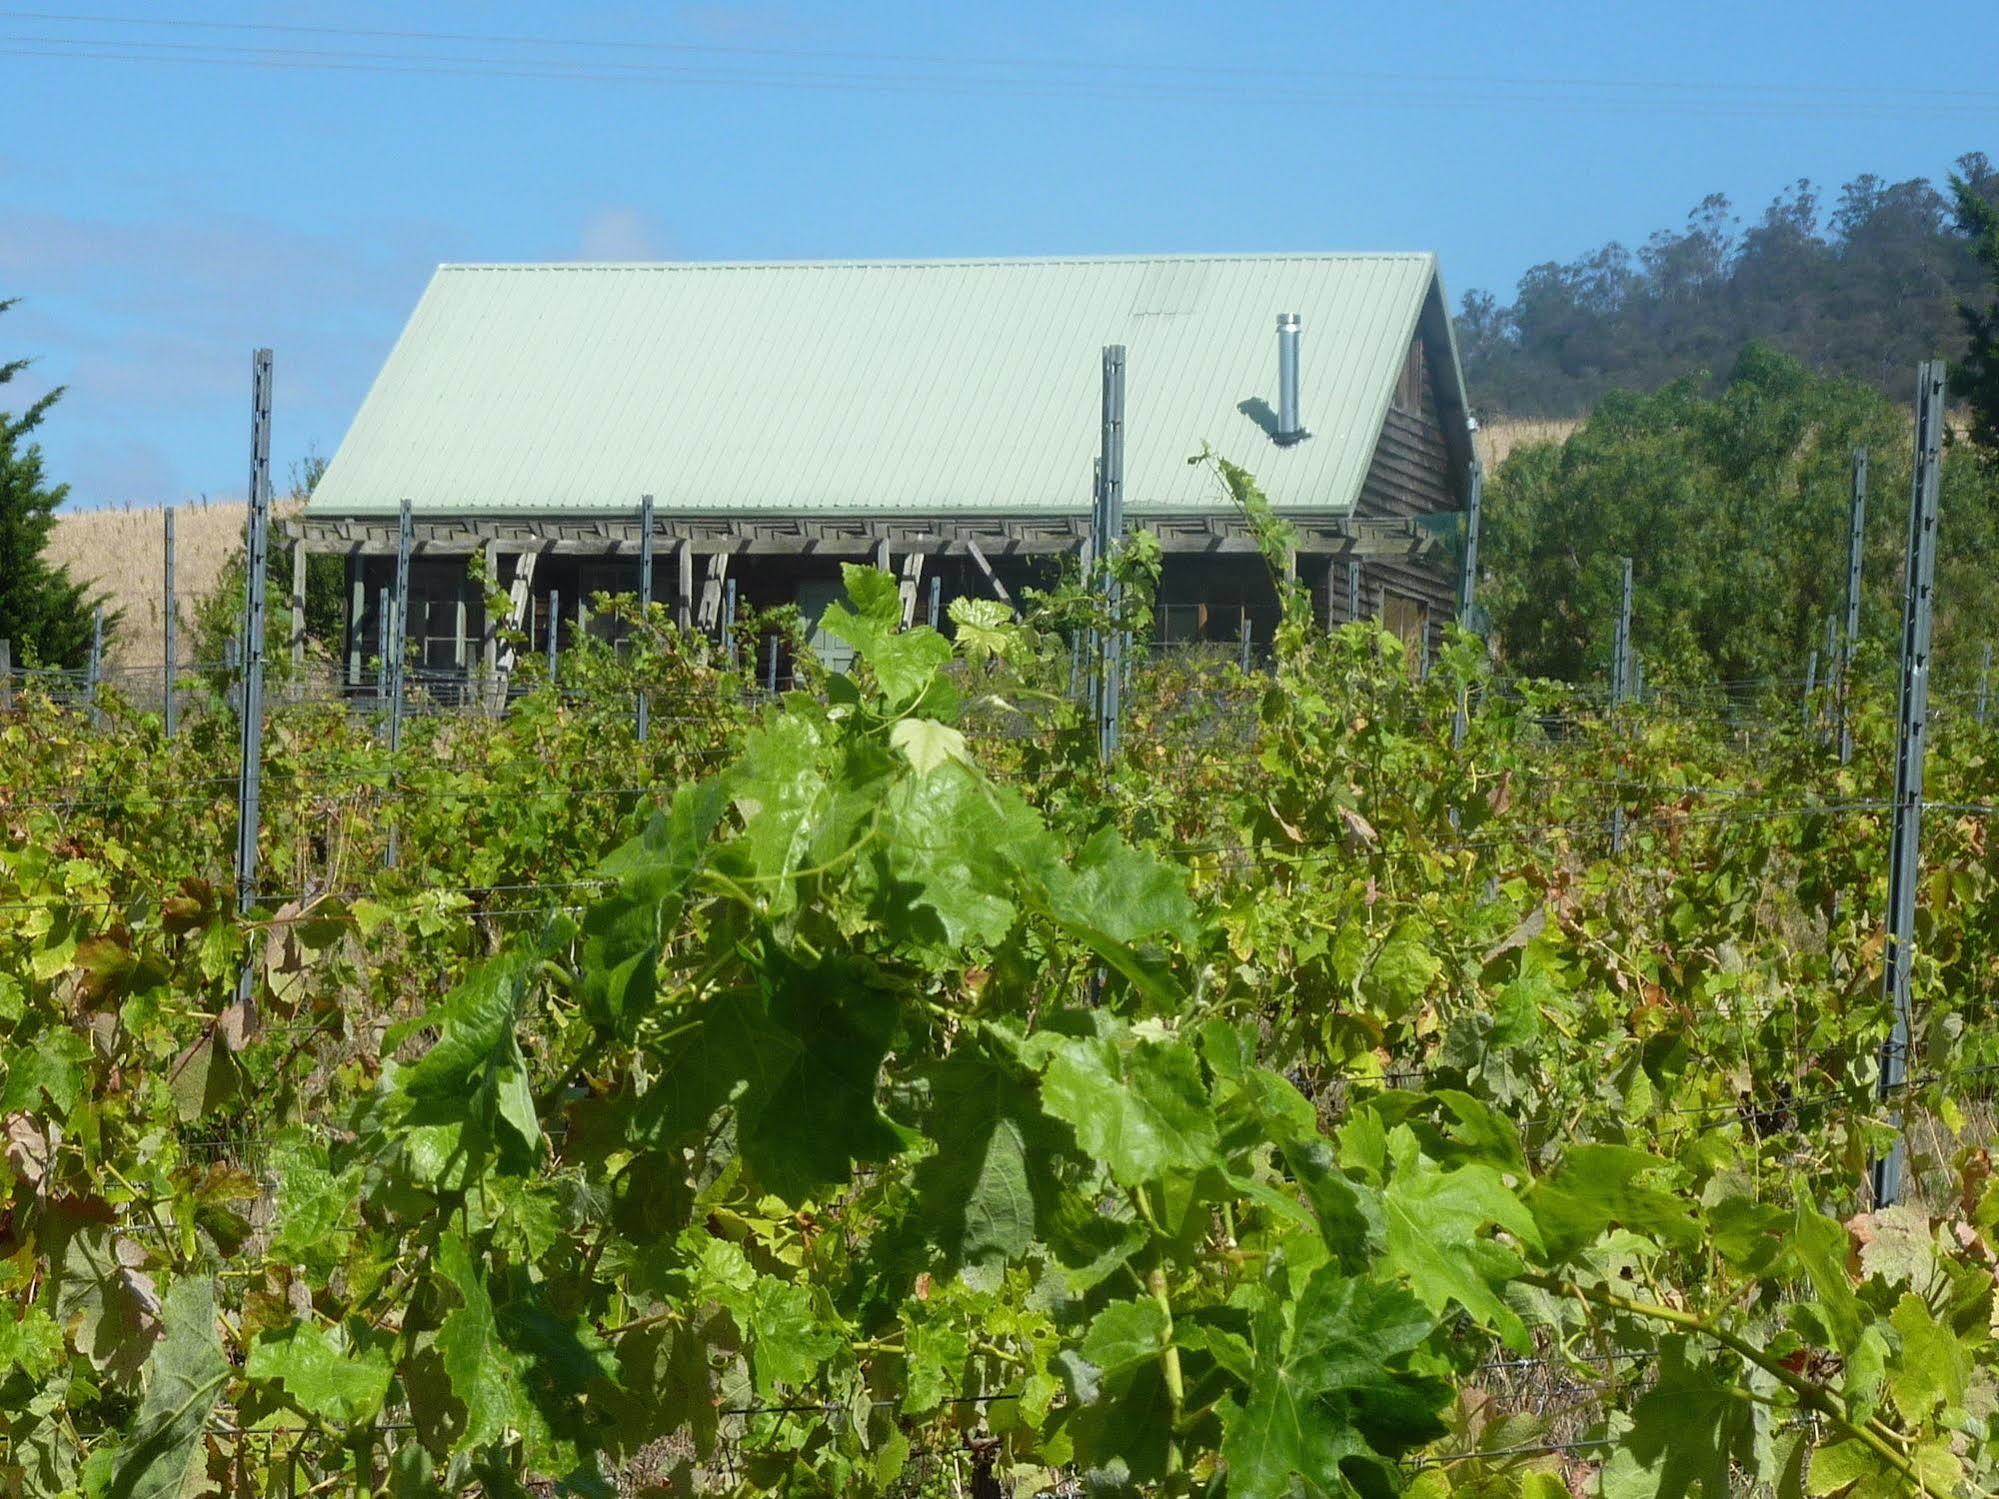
(1468,585)
(6,674)
(642,724)
(94,676)
(1244,634)
(936,601)
(383,623)
(1468,575)
(1109,526)
(1911,743)
(1620,643)
(1811,684)
(1856,525)
(1620,673)
(1984,684)
(729,623)
(770,670)
(398,653)
(554,628)
(169,702)
(251,720)
(1353,590)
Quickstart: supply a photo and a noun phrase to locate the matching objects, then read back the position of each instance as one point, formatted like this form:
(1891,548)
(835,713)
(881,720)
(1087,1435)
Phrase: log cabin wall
(1411,475)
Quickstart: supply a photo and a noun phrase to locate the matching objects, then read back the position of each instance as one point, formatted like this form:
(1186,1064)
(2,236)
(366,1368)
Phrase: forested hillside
(1863,286)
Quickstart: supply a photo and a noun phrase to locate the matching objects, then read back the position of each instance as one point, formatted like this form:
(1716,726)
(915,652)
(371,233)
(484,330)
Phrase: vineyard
(1367,1081)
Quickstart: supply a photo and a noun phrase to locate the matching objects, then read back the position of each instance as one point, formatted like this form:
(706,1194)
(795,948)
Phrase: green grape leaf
(1434,1234)
(799,1058)
(1140,1108)
(30,1341)
(791,1336)
(905,662)
(927,744)
(624,931)
(1688,1436)
(1403,969)
(1819,1246)
(320,1377)
(1598,1187)
(1124,1335)
(985,628)
(1330,1388)
(475,1075)
(952,841)
(485,1374)
(50,1066)
(1932,1368)
(992,1148)
(165,1451)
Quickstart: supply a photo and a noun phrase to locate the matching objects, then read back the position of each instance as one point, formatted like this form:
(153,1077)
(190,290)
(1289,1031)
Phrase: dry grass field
(122,552)
(1494,442)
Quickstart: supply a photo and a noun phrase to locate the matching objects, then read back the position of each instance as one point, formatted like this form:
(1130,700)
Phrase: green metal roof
(873,387)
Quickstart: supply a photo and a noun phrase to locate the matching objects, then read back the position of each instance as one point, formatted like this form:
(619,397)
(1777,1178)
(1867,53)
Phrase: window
(1409,384)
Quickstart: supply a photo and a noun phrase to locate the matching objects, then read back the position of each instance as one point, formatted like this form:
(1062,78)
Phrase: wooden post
(489,630)
(999,589)
(298,611)
(710,617)
(357,609)
(912,580)
(169,707)
(683,596)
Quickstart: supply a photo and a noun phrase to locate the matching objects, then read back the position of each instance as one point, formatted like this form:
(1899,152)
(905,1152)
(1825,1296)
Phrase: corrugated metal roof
(870,387)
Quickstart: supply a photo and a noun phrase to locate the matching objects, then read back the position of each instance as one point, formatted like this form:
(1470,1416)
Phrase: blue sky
(233,173)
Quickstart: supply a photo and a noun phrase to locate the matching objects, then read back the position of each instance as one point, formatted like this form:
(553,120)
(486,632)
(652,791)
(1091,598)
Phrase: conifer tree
(43,611)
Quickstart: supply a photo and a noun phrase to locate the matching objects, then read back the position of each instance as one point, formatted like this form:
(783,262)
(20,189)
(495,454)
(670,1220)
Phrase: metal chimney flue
(1289,428)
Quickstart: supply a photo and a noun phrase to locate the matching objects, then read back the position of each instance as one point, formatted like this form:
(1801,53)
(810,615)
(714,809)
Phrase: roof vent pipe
(1288,428)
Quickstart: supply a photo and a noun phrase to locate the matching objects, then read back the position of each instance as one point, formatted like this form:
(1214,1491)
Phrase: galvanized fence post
(393,664)
(770,678)
(1468,574)
(170,702)
(1244,634)
(1620,672)
(936,601)
(384,628)
(554,628)
(251,721)
(1620,642)
(93,680)
(1107,528)
(1856,524)
(1468,587)
(1353,590)
(642,725)
(729,623)
(1911,744)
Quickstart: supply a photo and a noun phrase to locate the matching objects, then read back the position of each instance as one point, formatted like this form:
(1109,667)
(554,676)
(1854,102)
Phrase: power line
(139,50)
(1754,88)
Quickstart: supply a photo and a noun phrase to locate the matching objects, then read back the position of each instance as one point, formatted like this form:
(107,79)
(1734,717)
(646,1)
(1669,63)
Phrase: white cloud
(619,234)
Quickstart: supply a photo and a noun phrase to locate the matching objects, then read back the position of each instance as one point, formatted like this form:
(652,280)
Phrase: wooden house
(938,417)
